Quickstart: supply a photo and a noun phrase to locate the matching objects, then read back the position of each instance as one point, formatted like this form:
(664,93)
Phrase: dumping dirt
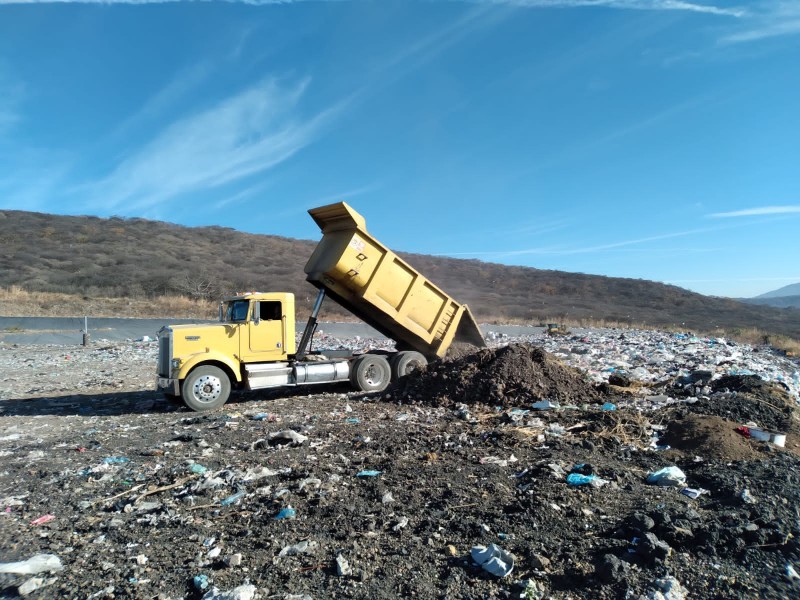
(513,375)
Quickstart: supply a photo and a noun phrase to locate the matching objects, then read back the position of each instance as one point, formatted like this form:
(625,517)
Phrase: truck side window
(237,311)
(271,310)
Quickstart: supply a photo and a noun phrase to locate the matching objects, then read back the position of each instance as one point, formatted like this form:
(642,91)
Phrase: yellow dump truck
(253,345)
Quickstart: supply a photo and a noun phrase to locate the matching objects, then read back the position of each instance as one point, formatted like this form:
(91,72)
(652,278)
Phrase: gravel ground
(109,491)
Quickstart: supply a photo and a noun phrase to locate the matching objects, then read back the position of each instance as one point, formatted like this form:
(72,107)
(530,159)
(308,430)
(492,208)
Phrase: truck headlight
(175,362)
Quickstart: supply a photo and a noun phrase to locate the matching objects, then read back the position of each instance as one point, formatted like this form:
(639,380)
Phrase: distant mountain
(786,297)
(787,290)
(779,302)
(116,257)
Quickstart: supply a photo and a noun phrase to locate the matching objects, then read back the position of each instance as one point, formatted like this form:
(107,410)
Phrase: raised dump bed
(382,289)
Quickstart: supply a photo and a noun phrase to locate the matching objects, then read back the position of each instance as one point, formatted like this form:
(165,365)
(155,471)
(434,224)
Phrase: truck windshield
(237,310)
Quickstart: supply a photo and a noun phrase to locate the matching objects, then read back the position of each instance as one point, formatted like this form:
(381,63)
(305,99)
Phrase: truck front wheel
(206,388)
(370,373)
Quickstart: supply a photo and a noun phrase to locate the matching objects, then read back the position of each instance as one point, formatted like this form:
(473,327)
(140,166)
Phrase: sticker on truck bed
(357,244)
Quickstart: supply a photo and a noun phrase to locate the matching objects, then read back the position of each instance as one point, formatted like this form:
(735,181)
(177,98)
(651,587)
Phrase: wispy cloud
(11,95)
(767,19)
(662,5)
(567,251)
(248,133)
(173,93)
(252,2)
(242,195)
(755,212)
(623,4)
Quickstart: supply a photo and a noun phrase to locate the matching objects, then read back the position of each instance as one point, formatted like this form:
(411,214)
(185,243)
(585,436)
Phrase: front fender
(209,357)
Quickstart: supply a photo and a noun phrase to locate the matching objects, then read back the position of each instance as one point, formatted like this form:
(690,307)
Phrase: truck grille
(164,352)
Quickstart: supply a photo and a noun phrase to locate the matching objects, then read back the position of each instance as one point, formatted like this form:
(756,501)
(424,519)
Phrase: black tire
(206,388)
(370,373)
(404,363)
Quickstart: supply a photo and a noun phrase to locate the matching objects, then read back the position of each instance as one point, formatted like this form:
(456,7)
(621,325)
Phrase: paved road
(69,330)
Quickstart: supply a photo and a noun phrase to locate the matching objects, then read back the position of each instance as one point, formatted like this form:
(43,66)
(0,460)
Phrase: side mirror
(256,313)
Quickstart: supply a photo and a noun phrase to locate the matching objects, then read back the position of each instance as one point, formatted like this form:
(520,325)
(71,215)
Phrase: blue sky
(652,139)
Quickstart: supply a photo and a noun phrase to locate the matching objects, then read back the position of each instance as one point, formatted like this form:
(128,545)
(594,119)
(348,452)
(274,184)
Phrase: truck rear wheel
(206,388)
(404,363)
(370,373)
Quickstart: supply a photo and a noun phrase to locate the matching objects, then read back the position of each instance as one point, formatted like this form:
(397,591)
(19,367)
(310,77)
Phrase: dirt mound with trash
(747,400)
(711,437)
(513,375)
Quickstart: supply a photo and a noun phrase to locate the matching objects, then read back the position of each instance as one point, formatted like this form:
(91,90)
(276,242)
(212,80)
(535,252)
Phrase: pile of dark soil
(710,436)
(514,375)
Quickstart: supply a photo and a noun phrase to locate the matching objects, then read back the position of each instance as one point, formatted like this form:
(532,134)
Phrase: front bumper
(168,385)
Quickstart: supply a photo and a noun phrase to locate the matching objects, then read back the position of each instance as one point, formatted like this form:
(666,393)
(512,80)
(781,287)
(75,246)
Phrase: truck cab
(264,325)
(253,328)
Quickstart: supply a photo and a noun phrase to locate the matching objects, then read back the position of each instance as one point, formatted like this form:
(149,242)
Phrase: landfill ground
(108,490)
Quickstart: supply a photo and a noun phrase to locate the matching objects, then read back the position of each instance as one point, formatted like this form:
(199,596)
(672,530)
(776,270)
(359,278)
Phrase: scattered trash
(234,560)
(342,566)
(762,435)
(577,479)
(792,574)
(232,498)
(201,582)
(496,460)
(33,584)
(693,493)
(493,559)
(287,436)
(269,417)
(668,588)
(747,497)
(309,482)
(532,590)
(242,592)
(285,513)
(668,476)
(368,473)
(609,406)
(304,547)
(544,405)
(43,519)
(125,512)
(38,563)
(581,474)
(116,460)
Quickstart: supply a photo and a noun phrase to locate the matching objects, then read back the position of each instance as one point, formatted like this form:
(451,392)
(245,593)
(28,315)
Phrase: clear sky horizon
(648,139)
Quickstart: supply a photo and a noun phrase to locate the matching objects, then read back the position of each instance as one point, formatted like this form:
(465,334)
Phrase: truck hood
(189,339)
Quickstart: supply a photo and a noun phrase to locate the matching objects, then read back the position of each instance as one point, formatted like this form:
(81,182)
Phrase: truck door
(265,332)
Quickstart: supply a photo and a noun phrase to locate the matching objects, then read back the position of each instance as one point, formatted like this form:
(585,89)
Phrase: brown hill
(91,256)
